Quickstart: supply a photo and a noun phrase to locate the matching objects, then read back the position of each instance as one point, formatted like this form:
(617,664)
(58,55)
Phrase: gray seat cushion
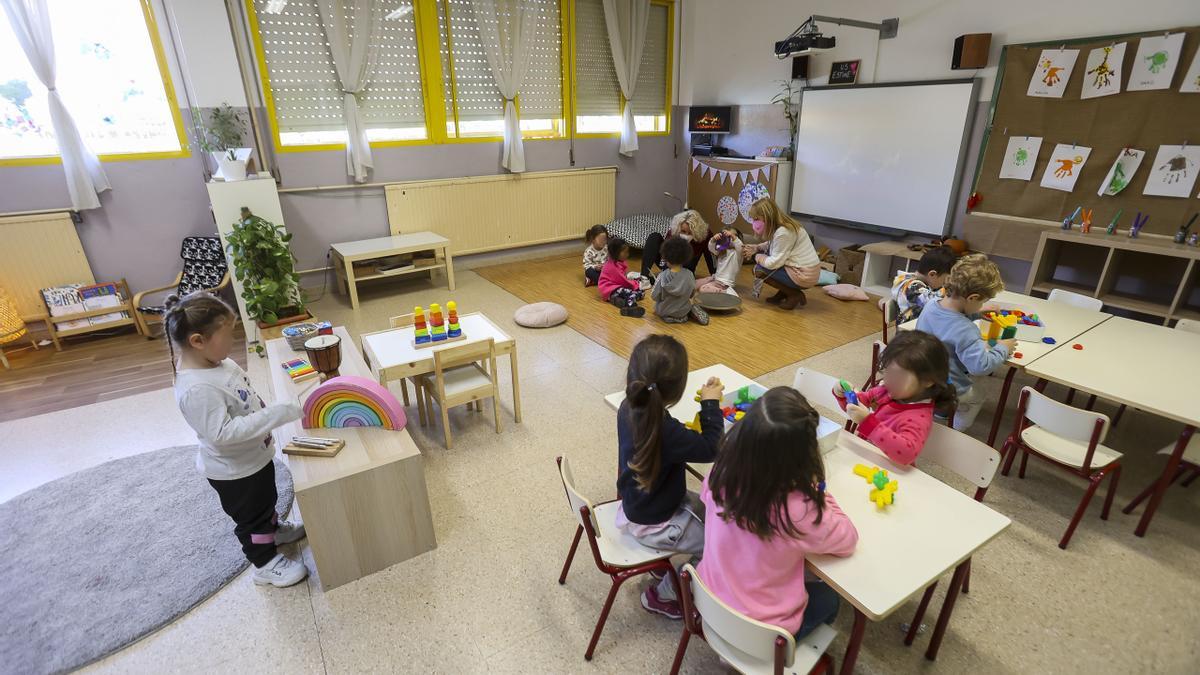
(540,315)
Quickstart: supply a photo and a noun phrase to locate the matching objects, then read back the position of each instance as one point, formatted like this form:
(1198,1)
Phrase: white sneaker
(280,572)
(286,532)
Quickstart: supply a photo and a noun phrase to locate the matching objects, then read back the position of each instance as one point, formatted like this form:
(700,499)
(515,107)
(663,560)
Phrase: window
(597,90)
(474,106)
(112,77)
(304,94)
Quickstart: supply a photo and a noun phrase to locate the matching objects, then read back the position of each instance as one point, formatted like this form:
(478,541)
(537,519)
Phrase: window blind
(304,83)
(597,91)
(650,96)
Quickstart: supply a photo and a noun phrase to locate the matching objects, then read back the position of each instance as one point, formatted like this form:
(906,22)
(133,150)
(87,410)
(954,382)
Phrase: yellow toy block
(883,492)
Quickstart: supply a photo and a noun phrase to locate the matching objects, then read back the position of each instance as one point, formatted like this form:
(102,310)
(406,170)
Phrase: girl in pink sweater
(896,416)
(767,509)
(614,284)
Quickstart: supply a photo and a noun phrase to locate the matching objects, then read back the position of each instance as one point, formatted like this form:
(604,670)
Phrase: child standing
(653,449)
(595,255)
(233,428)
(676,285)
(726,249)
(896,415)
(768,509)
(615,285)
(913,290)
(786,261)
(973,281)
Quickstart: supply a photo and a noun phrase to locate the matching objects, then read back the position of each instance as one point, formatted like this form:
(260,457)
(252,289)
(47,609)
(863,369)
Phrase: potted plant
(791,110)
(221,138)
(263,263)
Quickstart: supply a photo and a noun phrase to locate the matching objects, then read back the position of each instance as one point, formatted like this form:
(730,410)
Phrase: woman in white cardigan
(786,260)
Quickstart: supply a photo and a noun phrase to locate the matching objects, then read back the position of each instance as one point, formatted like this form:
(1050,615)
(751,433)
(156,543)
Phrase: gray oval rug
(96,560)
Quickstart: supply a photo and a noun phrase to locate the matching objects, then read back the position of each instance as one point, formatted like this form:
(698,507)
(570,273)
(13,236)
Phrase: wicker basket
(297,333)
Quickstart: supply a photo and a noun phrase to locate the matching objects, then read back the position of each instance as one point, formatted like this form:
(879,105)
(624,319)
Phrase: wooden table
(931,529)
(367,508)
(391,352)
(1063,323)
(1142,365)
(350,252)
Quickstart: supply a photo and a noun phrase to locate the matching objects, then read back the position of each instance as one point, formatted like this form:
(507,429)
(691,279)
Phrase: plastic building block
(1018,355)
(1077,346)
(883,488)
(694,425)
(1048,340)
(851,396)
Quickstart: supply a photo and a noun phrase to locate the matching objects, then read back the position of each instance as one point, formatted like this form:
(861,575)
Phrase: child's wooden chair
(891,310)
(404,321)
(749,646)
(458,379)
(817,389)
(616,554)
(977,463)
(1066,437)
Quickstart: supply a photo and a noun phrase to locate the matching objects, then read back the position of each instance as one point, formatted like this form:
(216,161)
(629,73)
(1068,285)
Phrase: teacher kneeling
(786,260)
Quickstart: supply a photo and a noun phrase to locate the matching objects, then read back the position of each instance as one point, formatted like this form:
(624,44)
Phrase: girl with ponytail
(653,450)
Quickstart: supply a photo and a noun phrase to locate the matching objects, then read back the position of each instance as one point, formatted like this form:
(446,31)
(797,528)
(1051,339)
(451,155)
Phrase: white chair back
(1189,325)
(1075,299)
(576,500)
(402,321)
(818,389)
(1061,419)
(747,644)
(973,460)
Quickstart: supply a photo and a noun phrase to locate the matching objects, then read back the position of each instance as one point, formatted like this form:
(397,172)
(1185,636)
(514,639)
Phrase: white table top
(401,243)
(394,347)
(1140,364)
(687,407)
(1063,323)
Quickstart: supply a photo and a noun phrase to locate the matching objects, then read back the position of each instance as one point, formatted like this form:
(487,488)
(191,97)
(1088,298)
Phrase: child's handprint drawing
(1102,73)
(1021,157)
(1119,180)
(1050,75)
(1157,61)
(1066,166)
(1176,169)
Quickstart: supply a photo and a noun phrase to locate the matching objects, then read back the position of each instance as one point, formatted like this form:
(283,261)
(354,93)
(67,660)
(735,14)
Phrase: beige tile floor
(486,600)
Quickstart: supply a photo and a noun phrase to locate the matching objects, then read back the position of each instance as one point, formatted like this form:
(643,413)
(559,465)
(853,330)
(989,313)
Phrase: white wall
(206,49)
(730,60)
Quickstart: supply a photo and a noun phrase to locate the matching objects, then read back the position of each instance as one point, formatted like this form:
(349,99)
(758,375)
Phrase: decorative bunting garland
(722,176)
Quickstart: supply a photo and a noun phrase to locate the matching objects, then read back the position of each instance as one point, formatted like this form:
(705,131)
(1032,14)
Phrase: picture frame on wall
(844,72)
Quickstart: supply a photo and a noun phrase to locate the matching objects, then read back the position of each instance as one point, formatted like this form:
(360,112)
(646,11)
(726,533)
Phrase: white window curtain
(30,20)
(626,22)
(348,25)
(508,31)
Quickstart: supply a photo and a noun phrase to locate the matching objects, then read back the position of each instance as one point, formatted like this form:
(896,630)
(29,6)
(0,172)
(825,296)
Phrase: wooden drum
(325,354)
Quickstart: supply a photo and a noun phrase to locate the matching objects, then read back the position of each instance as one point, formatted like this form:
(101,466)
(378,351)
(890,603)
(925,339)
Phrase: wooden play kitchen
(365,508)
(346,254)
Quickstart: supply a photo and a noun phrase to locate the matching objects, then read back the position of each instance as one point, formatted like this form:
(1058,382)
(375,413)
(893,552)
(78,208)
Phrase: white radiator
(40,251)
(488,213)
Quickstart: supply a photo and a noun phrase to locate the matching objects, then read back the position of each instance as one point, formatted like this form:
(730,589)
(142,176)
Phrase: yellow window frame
(172,102)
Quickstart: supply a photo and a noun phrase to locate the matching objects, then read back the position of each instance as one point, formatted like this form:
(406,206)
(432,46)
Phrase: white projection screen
(883,155)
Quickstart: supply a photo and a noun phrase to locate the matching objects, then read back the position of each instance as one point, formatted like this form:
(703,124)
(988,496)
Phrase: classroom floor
(486,600)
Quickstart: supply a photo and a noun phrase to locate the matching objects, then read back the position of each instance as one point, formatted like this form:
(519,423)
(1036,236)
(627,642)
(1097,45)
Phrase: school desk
(366,508)
(392,353)
(1063,323)
(346,254)
(931,529)
(1144,366)
(685,411)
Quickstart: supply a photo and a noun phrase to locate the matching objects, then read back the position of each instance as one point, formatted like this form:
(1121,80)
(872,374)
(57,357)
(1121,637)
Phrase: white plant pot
(231,169)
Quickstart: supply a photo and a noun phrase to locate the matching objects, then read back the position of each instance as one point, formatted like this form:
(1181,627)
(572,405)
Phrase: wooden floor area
(87,370)
(758,339)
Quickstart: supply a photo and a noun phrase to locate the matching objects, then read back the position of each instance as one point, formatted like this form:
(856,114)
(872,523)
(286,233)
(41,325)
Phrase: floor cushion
(846,292)
(540,315)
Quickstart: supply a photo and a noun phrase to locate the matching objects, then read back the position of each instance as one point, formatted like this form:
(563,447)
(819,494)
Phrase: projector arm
(887,28)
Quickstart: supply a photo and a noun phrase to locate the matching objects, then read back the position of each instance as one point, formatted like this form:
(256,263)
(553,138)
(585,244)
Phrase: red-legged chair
(817,388)
(1189,462)
(752,647)
(617,554)
(1068,438)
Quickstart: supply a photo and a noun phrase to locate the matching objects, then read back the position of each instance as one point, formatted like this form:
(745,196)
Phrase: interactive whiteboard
(883,155)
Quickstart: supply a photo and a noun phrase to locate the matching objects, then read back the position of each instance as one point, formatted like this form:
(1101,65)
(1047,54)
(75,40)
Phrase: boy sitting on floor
(675,286)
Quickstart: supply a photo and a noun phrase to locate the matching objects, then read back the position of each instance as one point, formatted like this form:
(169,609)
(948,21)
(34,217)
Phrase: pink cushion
(846,292)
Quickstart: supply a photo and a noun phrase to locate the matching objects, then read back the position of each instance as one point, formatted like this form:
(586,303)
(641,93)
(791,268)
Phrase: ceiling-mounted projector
(807,39)
(800,45)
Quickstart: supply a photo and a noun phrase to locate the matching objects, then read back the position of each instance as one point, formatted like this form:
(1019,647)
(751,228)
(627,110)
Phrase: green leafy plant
(264,265)
(791,110)
(222,132)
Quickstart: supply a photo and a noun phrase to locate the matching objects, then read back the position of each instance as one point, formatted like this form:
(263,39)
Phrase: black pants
(250,501)
(592,274)
(651,256)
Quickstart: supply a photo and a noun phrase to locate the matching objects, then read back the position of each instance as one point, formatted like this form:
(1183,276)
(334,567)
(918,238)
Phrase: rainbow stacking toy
(437,324)
(422,333)
(351,401)
(455,330)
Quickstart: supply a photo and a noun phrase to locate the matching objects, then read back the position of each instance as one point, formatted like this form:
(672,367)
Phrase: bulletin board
(1107,124)
(721,189)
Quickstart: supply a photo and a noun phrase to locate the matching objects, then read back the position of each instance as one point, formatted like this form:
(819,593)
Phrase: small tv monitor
(710,119)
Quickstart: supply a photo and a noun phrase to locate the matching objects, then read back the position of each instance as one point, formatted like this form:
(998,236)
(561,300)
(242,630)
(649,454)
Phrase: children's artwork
(1020,157)
(1103,74)
(1065,164)
(1173,172)
(1052,73)
(727,210)
(1155,63)
(1191,81)
(1121,172)
(752,192)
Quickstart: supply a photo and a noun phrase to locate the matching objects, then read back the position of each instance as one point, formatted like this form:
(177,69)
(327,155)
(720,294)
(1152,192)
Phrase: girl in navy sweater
(653,449)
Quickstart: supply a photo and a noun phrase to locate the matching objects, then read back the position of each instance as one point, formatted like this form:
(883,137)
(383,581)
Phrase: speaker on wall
(971,51)
(799,67)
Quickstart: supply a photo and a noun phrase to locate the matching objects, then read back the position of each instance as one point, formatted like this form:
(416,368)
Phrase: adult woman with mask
(786,259)
(689,225)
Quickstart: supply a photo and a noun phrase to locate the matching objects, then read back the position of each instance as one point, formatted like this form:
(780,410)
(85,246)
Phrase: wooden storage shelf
(126,307)
(1148,275)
